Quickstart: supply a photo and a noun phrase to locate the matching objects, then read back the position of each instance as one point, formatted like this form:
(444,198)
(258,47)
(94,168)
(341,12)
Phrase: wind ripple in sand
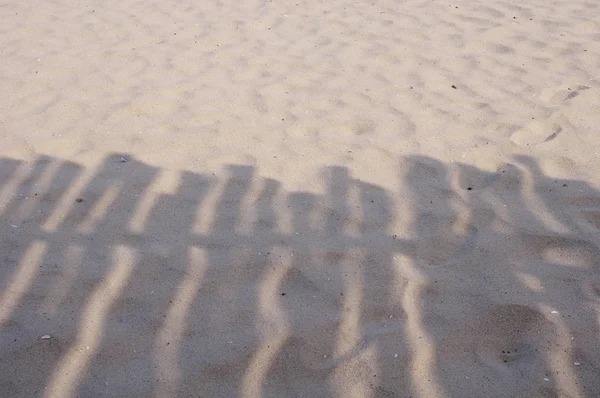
(392,271)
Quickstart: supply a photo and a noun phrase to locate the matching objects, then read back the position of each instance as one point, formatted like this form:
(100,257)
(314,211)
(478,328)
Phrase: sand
(300,199)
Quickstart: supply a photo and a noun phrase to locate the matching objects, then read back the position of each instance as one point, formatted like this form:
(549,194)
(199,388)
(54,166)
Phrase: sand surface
(300,198)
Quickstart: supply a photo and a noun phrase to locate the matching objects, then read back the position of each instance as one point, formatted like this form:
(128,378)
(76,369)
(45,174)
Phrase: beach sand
(300,199)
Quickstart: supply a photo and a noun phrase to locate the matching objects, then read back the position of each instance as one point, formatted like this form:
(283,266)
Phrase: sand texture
(300,199)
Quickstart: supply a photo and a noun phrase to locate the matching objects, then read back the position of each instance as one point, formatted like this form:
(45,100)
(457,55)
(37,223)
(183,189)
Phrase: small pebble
(45,337)
(124,159)
(576,363)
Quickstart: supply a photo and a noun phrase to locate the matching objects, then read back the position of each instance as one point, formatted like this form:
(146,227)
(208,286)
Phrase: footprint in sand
(511,336)
(503,350)
(574,109)
(536,132)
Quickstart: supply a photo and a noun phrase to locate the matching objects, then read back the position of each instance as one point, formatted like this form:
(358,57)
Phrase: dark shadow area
(130,280)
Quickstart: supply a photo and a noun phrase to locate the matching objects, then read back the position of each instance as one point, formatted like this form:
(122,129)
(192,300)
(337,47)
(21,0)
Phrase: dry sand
(321,198)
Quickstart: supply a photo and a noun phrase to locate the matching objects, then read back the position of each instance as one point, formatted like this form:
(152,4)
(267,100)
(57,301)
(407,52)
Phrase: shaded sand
(346,199)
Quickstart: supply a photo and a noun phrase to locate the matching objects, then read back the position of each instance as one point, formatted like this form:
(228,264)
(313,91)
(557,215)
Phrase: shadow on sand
(130,280)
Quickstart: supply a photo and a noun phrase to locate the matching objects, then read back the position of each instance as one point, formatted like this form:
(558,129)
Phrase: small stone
(124,159)
(454,87)
(46,337)
(576,363)
(79,200)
